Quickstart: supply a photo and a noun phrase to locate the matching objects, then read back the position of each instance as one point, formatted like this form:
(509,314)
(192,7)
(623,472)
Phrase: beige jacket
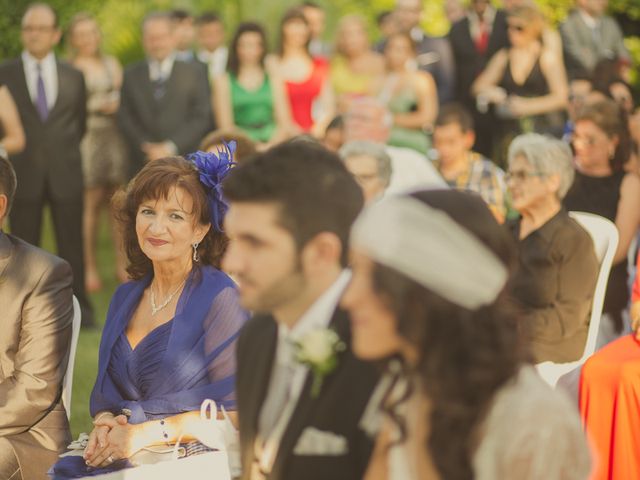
(36,313)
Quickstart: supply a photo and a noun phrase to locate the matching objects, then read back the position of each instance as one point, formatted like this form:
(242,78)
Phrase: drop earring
(196,256)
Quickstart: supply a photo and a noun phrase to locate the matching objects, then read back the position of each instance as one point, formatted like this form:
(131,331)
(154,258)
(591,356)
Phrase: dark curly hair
(154,181)
(465,356)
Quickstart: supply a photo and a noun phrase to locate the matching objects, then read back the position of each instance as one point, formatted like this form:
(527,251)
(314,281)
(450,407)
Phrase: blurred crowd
(446,107)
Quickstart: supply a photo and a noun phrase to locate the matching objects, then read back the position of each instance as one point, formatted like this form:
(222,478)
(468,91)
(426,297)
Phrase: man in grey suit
(588,36)
(37,313)
(165,103)
(51,99)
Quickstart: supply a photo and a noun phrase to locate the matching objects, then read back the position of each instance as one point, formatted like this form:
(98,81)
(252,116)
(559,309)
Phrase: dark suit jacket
(582,50)
(182,115)
(337,409)
(469,64)
(37,313)
(52,154)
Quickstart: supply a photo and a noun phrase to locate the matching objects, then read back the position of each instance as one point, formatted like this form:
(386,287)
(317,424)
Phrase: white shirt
(317,316)
(161,70)
(49,72)
(216,61)
(411,171)
(589,21)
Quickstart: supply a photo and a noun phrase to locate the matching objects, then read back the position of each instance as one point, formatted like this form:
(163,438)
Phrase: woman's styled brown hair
(464,356)
(294,14)
(233,62)
(156,180)
(612,120)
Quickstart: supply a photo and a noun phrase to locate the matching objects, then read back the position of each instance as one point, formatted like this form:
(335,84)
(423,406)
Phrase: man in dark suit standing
(474,40)
(300,390)
(50,96)
(37,312)
(165,103)
(589,35)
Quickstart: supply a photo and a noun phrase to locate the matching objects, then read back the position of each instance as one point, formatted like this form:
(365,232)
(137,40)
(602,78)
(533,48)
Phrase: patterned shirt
(485,178)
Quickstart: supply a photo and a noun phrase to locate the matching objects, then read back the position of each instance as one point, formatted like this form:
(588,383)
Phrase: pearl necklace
(156,308)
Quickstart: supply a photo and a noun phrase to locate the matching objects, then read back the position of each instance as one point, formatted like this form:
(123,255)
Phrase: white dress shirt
(216,61)
(318,316)
(161,70)
(411,171)
(49,72)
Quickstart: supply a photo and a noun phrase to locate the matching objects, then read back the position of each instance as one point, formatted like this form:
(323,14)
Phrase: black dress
(600,195)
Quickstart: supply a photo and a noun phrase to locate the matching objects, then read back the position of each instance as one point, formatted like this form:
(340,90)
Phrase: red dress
(303,94)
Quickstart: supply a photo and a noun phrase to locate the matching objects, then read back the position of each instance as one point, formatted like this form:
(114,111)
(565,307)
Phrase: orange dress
(610,409)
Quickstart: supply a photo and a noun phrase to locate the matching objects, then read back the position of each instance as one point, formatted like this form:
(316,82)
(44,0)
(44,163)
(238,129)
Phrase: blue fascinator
(213,167)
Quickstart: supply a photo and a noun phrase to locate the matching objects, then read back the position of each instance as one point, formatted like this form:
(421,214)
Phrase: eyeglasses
(521,175)
(588,141)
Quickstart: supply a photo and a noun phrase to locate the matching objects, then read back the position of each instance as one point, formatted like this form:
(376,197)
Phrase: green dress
(403,102)
(253,109)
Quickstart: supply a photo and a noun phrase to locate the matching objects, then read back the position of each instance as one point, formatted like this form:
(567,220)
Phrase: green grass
(86,366)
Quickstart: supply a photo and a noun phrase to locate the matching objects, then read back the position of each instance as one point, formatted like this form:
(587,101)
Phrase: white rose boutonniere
(319,350)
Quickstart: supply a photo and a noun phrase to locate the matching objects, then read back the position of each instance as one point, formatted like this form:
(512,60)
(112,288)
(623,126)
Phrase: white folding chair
(605,241)
(67,383)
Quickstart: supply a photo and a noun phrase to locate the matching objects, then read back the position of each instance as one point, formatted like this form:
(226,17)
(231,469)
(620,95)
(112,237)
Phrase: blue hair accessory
(213,167)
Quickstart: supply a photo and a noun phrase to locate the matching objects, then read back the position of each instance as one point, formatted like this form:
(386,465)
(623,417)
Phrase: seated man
(462,168)
(37,313)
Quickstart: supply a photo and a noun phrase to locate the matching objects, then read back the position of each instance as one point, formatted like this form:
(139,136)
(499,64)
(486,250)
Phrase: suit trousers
(26,222)
(9,466)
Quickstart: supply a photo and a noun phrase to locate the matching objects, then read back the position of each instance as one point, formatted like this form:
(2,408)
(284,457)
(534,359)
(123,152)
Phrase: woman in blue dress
(169,339)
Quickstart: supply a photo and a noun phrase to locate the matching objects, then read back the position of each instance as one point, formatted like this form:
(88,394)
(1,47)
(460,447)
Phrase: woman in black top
(601,145)
(526,82)
(557,266)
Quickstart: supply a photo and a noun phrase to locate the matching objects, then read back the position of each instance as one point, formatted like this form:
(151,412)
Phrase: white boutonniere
(319,350)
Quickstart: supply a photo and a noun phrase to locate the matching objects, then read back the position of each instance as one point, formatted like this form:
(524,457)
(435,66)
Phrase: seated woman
(459,399)
(557,266)
(526,82)
(409,94)
(601,186)
(306,78)
(248,96)
(169,338)
(609,400)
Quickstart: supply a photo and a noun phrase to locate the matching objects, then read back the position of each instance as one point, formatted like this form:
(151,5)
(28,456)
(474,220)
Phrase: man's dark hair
(152,16)
(208,17)
(8,181)
(310,185)
(33,5)
(454,113)
(311,4)
(179,14)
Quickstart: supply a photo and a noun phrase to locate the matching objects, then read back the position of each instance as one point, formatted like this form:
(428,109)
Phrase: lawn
(86,365)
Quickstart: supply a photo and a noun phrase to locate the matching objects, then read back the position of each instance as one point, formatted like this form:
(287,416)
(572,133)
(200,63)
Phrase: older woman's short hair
(549,156)
(156,180)
(363,148)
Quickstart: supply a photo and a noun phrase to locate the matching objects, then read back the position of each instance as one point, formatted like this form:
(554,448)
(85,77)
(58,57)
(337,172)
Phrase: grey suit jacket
(583,49)
(35,320)
(182,115)
(51,159)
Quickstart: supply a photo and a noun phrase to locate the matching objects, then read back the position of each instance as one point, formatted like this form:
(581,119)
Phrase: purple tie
(41,97)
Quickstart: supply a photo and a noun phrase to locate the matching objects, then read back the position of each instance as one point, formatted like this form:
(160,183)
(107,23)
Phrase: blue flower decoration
(213,168)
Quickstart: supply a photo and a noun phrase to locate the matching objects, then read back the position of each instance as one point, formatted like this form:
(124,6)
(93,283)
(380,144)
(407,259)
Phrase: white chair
(605,241)
(67,383)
